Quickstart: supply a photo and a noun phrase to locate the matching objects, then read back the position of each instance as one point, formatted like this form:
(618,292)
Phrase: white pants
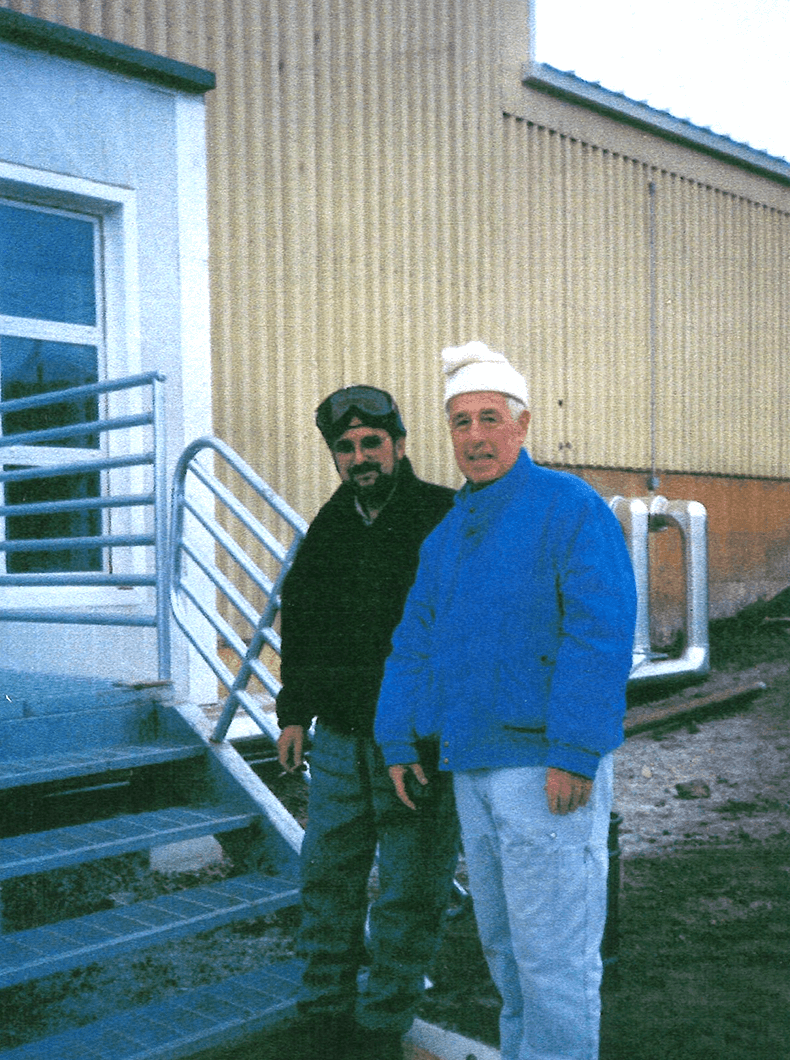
(538,882)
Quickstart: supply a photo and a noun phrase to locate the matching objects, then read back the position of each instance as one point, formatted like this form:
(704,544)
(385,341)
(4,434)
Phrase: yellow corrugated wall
(371,203)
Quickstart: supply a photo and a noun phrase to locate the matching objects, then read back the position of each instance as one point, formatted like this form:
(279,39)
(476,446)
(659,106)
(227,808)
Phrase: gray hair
(515,406)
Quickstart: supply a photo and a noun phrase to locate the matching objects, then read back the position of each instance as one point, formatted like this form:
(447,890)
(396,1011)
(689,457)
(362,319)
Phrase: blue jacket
(516,639)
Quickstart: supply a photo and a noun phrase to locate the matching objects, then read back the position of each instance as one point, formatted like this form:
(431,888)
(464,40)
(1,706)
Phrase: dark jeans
(352,808)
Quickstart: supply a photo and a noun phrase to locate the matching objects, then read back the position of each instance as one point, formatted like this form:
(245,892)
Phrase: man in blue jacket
(514,648)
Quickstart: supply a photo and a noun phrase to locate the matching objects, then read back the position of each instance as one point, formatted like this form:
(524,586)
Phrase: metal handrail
(154,498)
(198,584)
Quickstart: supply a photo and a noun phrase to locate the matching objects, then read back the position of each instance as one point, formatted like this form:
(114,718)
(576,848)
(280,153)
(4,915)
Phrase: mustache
(363,469)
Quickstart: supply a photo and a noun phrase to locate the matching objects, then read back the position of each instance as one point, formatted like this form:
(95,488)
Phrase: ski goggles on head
(375,408)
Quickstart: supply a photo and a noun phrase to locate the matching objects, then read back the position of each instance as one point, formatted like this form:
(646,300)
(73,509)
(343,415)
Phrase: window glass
(50,340)
(85,523)
(46,266)
(36,366)
(33,366)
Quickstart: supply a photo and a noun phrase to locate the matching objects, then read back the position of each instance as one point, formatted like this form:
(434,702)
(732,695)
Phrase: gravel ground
(712,778)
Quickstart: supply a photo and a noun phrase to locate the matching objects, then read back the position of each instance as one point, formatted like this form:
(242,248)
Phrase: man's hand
(290,747)
(398,776)
(565,791)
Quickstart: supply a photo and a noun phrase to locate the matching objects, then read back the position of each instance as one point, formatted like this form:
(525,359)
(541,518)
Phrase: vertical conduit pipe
(653,482)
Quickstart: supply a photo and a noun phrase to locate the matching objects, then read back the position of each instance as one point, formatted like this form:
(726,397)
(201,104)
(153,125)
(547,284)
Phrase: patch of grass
(747,639)
(703,961)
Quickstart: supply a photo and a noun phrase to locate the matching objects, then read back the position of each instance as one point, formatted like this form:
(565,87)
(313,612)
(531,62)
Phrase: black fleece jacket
(343,598)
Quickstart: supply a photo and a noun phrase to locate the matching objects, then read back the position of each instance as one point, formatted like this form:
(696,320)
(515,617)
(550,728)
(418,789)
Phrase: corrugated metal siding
(371,204)
(722,276)
(583,260)
(724,273)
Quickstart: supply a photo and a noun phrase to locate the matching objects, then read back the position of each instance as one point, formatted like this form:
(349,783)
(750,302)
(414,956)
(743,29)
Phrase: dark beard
(373,497)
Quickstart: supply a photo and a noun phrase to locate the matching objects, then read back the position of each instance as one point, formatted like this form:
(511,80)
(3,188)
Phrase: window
(51,337)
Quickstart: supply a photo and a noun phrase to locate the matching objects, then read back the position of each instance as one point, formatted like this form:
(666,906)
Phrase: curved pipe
(638,517)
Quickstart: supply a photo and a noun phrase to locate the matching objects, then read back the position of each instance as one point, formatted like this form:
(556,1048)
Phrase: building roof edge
(568,86)
(70,43)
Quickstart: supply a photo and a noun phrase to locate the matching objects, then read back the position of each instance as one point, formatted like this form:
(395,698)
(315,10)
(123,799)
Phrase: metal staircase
(90,770)
(135,753)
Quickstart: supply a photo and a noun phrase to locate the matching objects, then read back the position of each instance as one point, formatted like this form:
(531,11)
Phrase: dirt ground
(703,962)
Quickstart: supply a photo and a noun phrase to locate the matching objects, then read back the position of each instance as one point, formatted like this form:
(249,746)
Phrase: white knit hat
(475,367)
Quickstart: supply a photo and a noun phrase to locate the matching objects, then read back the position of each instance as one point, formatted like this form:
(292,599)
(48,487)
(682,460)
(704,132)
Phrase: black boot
(376,1044)
(324,1037)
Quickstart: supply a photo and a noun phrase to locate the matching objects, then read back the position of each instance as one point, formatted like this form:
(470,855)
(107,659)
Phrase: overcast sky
(722,64)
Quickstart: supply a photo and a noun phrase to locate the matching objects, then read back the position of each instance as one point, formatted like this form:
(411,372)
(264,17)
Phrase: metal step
(25,695)
(39,769)
(36,952)
(44,851)
(221,1013)
(35,750)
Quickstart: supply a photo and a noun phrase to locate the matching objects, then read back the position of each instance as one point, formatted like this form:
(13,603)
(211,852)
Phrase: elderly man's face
(486,439)
(367,458)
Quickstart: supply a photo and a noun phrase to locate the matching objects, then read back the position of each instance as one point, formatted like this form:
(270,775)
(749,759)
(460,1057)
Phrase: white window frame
(116,210)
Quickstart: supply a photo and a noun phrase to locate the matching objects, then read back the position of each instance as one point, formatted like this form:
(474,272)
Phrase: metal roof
(568,86)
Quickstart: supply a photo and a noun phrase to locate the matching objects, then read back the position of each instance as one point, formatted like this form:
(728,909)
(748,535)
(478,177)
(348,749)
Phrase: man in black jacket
(341,601)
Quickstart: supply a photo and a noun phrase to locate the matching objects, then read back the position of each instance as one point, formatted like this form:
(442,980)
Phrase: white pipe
(638,517)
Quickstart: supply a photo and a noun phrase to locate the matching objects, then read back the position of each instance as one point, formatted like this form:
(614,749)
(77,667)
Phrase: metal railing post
(161,530)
